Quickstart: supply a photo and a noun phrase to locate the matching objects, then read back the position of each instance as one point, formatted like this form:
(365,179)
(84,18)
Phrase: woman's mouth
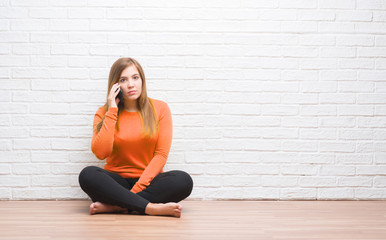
(132,92)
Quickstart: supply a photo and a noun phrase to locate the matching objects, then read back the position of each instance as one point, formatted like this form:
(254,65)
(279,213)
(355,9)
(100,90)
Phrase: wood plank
(200,220)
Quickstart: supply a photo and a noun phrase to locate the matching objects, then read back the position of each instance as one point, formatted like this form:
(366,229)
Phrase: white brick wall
(282,99)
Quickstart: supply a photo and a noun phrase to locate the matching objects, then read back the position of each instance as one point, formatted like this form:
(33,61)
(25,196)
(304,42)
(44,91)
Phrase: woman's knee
(87,174)
(185,181)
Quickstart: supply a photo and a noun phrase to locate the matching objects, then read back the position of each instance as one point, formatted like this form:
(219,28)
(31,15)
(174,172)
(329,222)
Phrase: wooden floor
(200,220)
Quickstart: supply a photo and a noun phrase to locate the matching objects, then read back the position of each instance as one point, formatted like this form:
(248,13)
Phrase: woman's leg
(172,186)
(110,188)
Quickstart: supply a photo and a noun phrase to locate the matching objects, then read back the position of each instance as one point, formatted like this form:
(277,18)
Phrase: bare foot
(98,207)
(164,209)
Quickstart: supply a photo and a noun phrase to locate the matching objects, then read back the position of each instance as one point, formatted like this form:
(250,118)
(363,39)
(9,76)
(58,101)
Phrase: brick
(30,25)
(320,158)
(5,194)
(14,132)
(356,87)
(69,25)
(30,169)
(380,64)
(14,13)
(354,159)
(336,27)
(5,169)
(203,181)
(87,13)
(316,15)
(50,108)
(345,147)
(371,27)
(318,110)
(49,37)
(49,156)
(318,134)
(30,73)
(337,122)
(335,194)
(31,194)
(298,194)
(197,157)
(71,144)
(299,146)
(371,170)
(32,144)
(358,110)
(268,181)
(298,4)
(49,13)
(371,51)
(26,3)
(259,169)
(371,4)
(275,157)
(300,122)
(337,170)
(337,52)
(289,110)
(343,4)
(340,98)
(68,3)
(241,157)
(358,16)
(261,193)
(355,134)
(69,49)
(318,87)
(379,158)
(241,181)
(61,193)
(13,37)
(369,193)
(49,181)
(379,182)
(380,135)
(318,64)
(317,181)
(355,181)
(47,61)
(13,181)
(13,61)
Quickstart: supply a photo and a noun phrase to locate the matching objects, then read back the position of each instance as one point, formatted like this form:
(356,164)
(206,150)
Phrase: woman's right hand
(112,99)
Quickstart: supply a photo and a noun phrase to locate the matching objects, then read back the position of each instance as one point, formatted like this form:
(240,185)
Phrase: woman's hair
(144,105)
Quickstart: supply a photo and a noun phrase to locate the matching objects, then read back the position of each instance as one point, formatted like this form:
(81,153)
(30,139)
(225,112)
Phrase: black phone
(120,96)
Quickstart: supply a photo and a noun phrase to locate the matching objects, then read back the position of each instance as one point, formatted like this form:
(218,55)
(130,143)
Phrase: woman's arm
(102,141)
(161,151)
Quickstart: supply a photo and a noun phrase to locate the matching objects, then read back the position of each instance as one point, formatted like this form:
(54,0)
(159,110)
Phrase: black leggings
(110,188)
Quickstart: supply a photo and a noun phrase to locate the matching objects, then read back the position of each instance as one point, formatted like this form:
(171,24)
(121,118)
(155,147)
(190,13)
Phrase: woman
(134,135)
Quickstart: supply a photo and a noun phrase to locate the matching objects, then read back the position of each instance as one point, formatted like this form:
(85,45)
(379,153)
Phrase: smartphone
(120,96)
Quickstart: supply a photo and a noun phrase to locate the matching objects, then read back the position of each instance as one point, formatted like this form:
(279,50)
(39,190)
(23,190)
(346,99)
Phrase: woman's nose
(130,83)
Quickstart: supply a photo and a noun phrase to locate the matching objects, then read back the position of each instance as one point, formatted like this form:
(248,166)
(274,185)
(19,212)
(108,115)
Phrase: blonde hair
(145,106)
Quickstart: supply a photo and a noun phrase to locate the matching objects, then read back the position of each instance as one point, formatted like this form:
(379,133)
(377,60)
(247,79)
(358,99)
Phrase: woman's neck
(131,106)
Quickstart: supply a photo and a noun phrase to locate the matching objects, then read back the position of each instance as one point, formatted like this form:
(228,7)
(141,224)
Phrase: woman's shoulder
(159,104)
(160,107)
(101,111)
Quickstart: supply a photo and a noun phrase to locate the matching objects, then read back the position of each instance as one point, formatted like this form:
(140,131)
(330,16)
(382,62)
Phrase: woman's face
(130,83)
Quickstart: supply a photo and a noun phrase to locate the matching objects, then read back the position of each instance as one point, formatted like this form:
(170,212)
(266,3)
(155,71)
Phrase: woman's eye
(122,80)
(135,78)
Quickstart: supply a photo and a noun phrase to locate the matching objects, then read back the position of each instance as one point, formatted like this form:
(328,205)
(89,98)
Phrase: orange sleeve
(161,151)
(102,141)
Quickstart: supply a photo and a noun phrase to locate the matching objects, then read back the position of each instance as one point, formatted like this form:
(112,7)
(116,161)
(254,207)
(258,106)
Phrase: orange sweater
(127,152)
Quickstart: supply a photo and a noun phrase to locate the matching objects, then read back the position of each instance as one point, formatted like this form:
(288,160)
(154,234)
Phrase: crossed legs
(111,193)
